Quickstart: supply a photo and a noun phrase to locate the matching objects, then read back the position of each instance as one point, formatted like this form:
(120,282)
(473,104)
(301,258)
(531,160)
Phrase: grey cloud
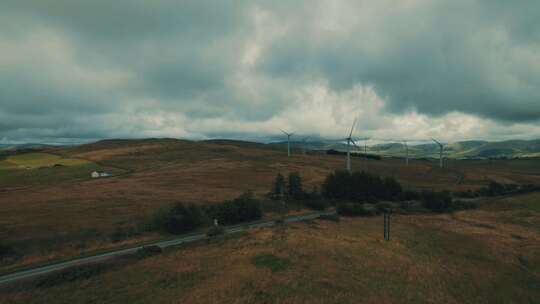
(454,56)
(477,57)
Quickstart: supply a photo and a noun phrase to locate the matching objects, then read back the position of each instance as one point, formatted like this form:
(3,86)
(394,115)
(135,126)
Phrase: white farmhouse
(97,174)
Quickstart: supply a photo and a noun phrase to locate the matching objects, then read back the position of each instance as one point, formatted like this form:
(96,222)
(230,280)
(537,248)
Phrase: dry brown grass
(55,215)
(467,257)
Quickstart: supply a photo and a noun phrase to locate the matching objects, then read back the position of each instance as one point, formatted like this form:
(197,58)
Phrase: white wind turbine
(288,142)
(349,142)
(406,152)
(304,144)
(441,147)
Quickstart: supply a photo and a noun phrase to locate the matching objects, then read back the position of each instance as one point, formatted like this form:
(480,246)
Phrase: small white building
(97,174)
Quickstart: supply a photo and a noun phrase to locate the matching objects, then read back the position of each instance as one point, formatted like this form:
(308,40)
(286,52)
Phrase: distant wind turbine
(288,142)
(304,144)
(406,153)
(349,142)
(441,147)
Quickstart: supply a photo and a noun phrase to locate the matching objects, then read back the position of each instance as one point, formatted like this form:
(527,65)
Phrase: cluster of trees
(244,208)
(495,189)
(292,191)
(361,186)
(181,218)
(288,189)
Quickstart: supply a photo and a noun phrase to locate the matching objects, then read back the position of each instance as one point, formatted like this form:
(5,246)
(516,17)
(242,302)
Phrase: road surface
(41,270)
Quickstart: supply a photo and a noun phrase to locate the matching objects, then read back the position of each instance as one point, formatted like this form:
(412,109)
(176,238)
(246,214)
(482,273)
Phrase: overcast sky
(90,69)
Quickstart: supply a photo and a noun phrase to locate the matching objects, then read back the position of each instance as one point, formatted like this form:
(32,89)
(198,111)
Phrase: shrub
(215,231)
(148,251)
(437,201)
(6,251)
(464,205)
(382,207)
(409,195)
(316,204)
(329,217)
(244,208)
(467,194)
(120,233)
(392,189)
(70,274)
(354,209)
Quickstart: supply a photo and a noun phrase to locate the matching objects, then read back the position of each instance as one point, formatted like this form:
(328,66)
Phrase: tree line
(361,193)
(180,218)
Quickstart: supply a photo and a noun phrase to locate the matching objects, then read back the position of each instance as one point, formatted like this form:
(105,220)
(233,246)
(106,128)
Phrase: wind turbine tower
(441,147)
(288,142)
(406,153)
(304,144)
(349,142)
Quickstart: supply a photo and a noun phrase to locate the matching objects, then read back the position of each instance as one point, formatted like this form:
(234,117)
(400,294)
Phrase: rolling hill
(461,149)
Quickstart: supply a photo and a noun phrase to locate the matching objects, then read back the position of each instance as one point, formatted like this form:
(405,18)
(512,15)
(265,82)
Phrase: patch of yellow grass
(38,160)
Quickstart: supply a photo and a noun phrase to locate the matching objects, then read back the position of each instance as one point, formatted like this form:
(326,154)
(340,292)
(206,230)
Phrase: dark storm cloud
(476,57)
(90,67)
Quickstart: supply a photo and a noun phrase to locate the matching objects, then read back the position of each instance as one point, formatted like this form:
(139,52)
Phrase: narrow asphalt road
(37,271)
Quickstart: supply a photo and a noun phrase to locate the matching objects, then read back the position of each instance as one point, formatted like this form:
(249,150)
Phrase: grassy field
(44,169)
(59,212)
(465,257)
(38,160)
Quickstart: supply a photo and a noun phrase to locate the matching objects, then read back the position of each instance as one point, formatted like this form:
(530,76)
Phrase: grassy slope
(44,169)
(63,217)
(36,160)
(467,257)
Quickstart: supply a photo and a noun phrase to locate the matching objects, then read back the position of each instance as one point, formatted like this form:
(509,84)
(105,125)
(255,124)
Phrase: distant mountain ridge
(459,150)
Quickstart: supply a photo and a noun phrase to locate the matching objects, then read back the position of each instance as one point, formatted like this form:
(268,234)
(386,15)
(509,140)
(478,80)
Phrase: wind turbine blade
(436,141)
(352,128)
(355,145)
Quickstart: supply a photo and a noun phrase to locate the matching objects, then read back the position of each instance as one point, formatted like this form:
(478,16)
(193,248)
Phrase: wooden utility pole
(386,226)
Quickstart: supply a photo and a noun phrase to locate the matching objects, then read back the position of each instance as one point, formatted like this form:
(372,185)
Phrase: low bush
(463,205)
(467,194)
(6,251)
(148,251)
(496,189)
(437,201)
(409,195)
(316,204)
(215,231)
(355,209)
(121,233)
(329,217)
(413,207)
(382,207)
(83,272)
